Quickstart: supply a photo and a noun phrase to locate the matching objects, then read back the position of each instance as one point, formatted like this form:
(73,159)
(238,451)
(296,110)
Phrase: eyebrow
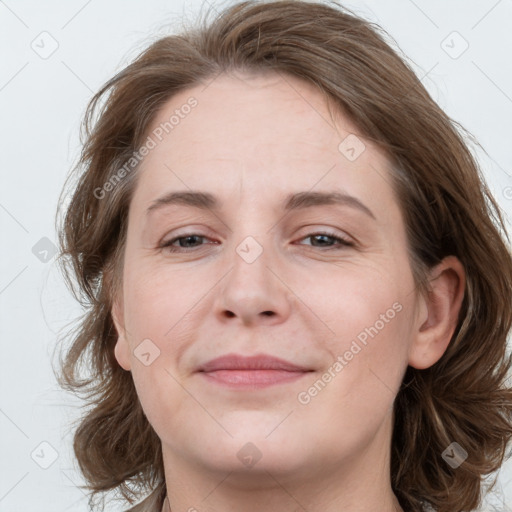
(296,201)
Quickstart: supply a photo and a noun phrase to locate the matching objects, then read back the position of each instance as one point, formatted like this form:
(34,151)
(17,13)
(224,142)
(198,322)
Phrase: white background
(41,104)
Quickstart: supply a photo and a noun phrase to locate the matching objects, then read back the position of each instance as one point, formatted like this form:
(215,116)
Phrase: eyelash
(343,242)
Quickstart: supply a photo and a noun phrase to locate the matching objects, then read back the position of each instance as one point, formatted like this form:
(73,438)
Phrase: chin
(250,451)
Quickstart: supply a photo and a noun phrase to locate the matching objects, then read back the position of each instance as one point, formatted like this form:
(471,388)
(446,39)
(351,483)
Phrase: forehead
(267,133)
(241,112)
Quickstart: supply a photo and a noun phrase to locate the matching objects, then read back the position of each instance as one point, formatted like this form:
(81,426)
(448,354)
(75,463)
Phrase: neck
(396,506)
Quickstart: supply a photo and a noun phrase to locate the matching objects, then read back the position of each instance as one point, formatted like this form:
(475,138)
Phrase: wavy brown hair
(445,202)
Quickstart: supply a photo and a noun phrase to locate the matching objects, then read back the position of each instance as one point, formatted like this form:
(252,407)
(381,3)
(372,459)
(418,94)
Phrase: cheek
(355,391)
(154,303)
(164,401)
(369,314)
(358,302)
(159,318)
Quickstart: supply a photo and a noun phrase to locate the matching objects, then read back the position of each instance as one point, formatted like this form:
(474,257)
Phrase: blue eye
(194,238)
(341,241)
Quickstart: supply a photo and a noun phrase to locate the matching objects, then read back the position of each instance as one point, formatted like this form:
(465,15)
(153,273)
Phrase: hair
(445,202)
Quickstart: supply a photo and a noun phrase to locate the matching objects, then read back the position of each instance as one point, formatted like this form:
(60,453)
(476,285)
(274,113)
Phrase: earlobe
(122,349)
(443,304)
(121,353)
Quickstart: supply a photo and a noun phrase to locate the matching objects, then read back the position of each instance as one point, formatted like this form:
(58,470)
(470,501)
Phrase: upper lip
(256,362)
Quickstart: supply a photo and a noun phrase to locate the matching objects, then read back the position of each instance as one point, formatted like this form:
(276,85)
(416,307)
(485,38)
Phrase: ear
(440,312)
(122,348)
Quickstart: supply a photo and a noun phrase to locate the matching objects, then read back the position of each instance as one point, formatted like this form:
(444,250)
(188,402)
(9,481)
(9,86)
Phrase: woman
(335,341)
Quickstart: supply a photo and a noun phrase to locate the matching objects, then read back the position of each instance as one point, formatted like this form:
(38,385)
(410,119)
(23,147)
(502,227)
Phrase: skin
(252,140)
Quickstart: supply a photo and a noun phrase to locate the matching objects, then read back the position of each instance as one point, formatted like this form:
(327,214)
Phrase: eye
(188,242)
(325,236)
(184,242)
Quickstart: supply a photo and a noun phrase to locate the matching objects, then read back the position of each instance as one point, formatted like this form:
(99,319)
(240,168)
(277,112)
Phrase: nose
(254,290)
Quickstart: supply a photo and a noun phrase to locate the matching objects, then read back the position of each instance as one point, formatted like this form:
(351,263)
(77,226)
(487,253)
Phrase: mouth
(251,372)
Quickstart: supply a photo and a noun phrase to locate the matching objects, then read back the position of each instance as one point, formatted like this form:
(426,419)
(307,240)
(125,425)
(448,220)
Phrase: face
(267,266)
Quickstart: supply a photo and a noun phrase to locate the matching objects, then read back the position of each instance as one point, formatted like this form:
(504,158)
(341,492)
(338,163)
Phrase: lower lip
(252,378)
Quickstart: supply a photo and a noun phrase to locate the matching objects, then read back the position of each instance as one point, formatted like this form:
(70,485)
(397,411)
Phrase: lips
(257,362)
(253,372)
